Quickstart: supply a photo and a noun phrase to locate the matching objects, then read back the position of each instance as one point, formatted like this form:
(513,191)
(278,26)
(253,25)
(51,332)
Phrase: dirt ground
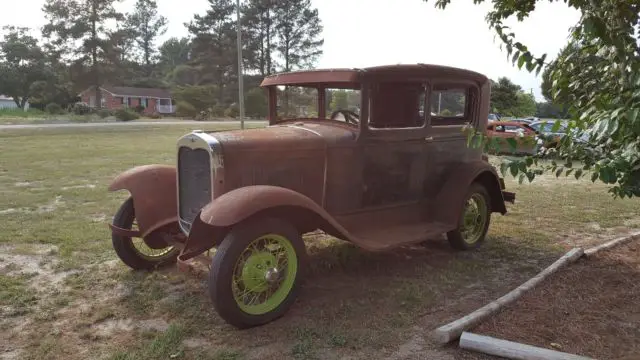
(591,308)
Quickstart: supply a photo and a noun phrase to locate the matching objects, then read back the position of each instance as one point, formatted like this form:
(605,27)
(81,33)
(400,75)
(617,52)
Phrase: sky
(361,33)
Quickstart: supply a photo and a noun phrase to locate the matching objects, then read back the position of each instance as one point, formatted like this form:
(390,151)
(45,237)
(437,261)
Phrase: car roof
(514,123)
(350,78)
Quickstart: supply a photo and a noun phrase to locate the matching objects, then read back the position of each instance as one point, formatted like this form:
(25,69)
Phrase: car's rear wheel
(256,272)
(134,252)
(474,220)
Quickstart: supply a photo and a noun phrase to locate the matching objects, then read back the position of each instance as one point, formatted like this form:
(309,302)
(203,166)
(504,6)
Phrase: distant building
(6,102)
(118,97)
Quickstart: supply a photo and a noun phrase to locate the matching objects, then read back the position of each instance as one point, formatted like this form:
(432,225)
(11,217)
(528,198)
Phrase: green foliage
(200,97)
(126,115)
(22,62)
(446,112)
(256,103)
(146,25)
(80,30)
(104,113)
(53,109)
(298,29)
(526,105)
(598,76)
(339,100)
(139,109)
(508,99)
(185,109)
(232,111)
(80,109)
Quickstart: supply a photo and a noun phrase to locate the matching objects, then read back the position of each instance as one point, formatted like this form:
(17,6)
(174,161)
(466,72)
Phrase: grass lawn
(65,295)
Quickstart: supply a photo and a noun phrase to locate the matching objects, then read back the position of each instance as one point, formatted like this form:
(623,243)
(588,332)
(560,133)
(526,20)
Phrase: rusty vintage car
(380,173)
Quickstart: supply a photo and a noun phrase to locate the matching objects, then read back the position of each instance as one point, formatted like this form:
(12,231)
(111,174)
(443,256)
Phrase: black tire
(455,237)
(225,260)
(127,251)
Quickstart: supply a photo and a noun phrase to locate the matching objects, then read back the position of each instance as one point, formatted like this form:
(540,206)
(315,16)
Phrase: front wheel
(256,271)
(134,252)
(474,220)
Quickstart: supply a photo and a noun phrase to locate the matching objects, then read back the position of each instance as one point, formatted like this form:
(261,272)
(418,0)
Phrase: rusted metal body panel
(153,189)
(376,186)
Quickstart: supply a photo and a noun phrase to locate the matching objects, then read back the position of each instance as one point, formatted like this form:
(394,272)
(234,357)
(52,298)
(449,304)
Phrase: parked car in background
(527,140)
(550,136)
(494,117)
(522,121)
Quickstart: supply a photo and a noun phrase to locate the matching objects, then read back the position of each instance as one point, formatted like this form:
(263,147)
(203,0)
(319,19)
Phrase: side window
(396,105)
(451,105)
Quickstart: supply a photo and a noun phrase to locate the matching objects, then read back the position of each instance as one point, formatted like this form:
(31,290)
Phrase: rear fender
(451,197)
(153,189)
(219,216)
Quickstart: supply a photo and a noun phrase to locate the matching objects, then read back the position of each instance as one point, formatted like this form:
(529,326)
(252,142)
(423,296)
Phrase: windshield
(299,102)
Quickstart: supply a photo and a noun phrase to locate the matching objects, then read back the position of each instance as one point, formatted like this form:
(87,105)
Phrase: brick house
(117,97)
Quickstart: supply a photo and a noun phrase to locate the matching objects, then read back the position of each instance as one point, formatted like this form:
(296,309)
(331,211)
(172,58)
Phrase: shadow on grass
(351,300)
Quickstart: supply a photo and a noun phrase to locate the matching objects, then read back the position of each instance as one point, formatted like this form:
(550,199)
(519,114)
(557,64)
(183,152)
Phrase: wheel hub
(272,275)
(257,271)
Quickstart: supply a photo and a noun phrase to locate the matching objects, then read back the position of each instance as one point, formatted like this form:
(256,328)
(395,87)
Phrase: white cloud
(360,33)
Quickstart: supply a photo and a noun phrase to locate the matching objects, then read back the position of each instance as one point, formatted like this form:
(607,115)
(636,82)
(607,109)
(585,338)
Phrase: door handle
(429,139)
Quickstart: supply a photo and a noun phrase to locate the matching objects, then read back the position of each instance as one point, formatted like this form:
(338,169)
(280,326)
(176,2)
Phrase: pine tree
(259,34)
(298,29)
(79,29)
(146,25)
(213,45)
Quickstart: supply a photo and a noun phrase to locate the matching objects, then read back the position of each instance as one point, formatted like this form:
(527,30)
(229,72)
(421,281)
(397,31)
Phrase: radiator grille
(194,181)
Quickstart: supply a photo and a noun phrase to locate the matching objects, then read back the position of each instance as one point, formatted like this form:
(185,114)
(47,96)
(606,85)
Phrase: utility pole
(240,81)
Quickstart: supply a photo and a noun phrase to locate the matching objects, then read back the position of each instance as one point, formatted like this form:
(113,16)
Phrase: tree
(146,25)
(339,100)
(214,34)
(599,79)
(173,53)
(22,62)
(80,29)
(525,106)
(504,96)
(298,28)
(258,25)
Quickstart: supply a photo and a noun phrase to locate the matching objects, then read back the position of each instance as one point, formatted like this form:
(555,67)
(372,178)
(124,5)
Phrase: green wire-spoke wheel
(255,272)
(474,220)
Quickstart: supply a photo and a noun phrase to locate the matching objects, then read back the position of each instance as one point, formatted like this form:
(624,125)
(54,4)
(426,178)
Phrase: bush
(53,109)
(232,111)
(155,115)
(185,109)
(80,109)
(126,115)
(139,109)
(217,111)
(104,113)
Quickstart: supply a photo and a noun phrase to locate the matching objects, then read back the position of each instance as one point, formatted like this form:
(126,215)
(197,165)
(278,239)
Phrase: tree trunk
(94,55)
(268,38)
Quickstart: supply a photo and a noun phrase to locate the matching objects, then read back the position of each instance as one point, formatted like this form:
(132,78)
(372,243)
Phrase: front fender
(451,197)
(231,208)
(153,189)
(239,204)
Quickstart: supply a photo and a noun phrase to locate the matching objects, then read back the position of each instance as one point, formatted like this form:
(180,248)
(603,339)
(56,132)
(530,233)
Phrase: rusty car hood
(290,135)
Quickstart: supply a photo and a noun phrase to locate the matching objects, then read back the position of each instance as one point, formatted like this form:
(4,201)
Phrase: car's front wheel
(474,220)
(134,252)
(256,272)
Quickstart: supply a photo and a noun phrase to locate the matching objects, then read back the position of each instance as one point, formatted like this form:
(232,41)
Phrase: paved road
(127,123)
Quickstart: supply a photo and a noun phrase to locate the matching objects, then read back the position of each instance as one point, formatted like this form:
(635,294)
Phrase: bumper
(509,196)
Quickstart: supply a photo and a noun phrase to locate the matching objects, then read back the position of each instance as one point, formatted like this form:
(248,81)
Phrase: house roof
(136,91)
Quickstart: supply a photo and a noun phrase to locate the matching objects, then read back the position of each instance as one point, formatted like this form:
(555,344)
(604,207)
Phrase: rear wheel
(256,272)
(134,252)
(474,221)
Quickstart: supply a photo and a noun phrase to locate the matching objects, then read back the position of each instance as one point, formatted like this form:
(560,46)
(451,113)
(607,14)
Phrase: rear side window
(451,105)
